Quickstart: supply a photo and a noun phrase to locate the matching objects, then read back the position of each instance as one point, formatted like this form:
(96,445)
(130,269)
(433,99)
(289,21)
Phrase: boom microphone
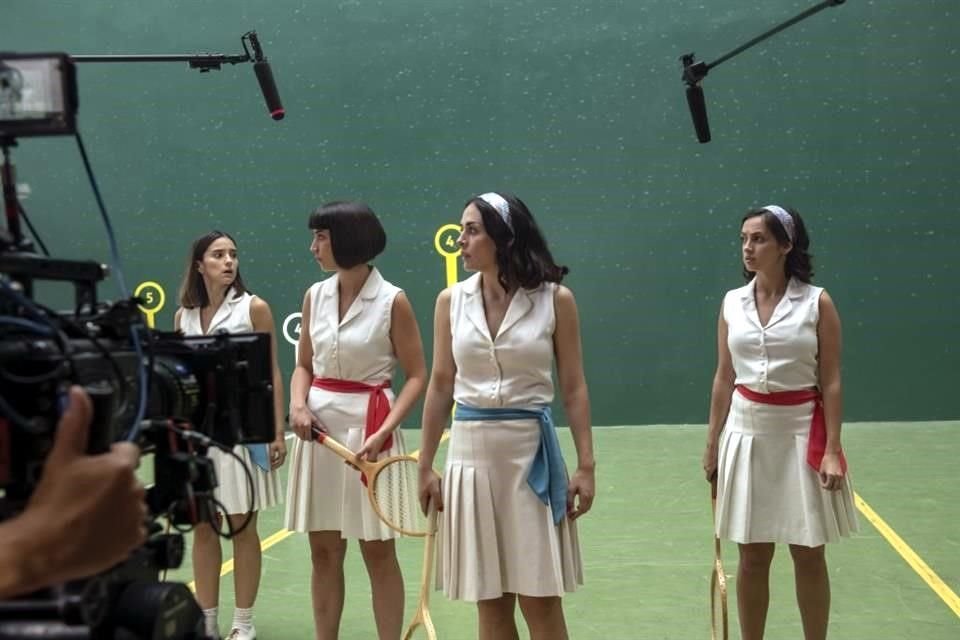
(698,111)
(265,77)
(269,89)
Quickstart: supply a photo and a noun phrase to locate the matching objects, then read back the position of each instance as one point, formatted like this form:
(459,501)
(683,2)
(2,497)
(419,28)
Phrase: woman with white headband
(773,442)
(507,528)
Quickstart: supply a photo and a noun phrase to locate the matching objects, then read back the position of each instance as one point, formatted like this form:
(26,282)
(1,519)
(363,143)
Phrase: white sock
(210,622)
(243,619)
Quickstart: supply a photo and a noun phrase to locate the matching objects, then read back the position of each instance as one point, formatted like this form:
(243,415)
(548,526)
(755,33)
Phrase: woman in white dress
(214,298)
(356,328)
(507,529)
(773,442)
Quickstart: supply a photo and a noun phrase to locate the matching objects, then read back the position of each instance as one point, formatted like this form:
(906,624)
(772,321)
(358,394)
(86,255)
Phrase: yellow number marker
(446,244)
(153,300)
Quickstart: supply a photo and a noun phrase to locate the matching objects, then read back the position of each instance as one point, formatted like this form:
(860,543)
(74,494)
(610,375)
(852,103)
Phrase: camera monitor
(38,95)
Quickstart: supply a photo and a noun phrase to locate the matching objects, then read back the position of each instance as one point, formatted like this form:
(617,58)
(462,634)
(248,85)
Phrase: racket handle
(333,445)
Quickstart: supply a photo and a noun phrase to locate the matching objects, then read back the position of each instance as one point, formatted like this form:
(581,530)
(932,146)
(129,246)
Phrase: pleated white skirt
(233,490)
(766,491)
(323,492)
(495,535)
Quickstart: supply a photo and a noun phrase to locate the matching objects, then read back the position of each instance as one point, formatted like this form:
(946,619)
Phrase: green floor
(647,548)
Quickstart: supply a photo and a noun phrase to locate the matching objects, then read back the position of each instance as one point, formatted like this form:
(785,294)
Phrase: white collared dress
(495,535)
(766,491)
(324,493)
(233,491)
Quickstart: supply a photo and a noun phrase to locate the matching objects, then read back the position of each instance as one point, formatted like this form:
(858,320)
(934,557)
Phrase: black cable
(33,231)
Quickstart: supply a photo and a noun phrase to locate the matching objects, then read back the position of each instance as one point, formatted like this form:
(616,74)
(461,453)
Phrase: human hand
(831,472)
(302,421)
(278,452)
(89,512)
(580,493)
(710,454)
(430,490)
(373,444)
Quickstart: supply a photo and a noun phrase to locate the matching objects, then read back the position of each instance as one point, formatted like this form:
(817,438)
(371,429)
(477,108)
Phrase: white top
(233,316)
(358,347)
(514,368)
(783,355)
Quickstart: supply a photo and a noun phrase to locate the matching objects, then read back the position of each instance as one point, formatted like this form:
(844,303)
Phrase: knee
(248,534)
(540,608)
(808,558)
(326,553)
(497,608)
(379,555)
(204,534)
(756,558)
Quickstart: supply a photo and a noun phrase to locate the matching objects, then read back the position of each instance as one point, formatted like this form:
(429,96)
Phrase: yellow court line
(916,562)
(283,534)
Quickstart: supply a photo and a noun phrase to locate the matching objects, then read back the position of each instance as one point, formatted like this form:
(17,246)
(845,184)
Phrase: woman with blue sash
(508,508)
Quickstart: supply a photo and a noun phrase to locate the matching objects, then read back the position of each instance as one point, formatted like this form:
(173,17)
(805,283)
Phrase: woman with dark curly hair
(773,442)
(507,530)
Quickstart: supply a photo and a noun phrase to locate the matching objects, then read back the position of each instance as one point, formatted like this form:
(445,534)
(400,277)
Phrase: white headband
(501,206)
(785,219)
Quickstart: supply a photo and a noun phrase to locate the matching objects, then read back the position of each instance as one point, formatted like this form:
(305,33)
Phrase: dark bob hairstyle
(356,235)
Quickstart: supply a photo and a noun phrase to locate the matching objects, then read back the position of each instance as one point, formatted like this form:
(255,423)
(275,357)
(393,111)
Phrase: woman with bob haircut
(507,529)
(773,441)
(213,298)
(357,328)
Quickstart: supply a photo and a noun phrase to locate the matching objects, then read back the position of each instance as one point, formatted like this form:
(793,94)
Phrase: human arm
(408,347)
(86,514)
(720,395)
(828,336)
(301,419)
(438,401)
(576,401)
(262,320)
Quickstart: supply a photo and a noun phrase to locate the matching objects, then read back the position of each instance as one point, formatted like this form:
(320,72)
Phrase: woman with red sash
(773,442)
(356,329)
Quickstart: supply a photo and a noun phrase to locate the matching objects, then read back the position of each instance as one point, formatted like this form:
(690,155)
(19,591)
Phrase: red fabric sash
(817,440)
(377,408)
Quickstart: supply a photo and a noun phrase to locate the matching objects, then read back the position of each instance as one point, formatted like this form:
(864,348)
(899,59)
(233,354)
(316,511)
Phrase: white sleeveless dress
(233,491)
(323,493)
(766,491)
(495,535)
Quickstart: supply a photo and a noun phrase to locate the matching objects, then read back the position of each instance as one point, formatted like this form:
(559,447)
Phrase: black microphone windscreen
(269,89)
(698,111)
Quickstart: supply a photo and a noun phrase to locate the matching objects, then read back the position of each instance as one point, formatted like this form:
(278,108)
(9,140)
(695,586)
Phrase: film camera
(175,396)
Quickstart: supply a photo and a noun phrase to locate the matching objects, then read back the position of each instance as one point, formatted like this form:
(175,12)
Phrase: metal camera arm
(202,61)
(694,72)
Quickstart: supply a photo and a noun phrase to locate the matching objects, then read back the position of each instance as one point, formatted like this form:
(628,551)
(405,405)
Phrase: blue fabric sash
(260,454)
(548,474)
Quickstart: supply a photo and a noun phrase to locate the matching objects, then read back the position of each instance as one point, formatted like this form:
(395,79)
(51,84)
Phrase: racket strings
(395,494)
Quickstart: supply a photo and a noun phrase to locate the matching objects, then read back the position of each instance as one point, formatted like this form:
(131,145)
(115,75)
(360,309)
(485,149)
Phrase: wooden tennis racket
(422,619)
(390,484)
(719,629)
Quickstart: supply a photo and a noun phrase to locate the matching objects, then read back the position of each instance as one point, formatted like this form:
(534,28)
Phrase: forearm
(833,414)
(412,389)
(720,397)
(576,403)
(300,382)
(279,422)
(436,410)
(24,558)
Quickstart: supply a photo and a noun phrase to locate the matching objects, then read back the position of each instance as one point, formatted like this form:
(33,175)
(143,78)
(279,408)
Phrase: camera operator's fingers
(73,430)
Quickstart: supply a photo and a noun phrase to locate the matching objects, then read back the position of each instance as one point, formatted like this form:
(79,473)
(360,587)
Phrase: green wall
(576,106)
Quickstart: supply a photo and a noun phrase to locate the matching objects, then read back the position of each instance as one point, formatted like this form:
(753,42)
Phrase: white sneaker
(239,634)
